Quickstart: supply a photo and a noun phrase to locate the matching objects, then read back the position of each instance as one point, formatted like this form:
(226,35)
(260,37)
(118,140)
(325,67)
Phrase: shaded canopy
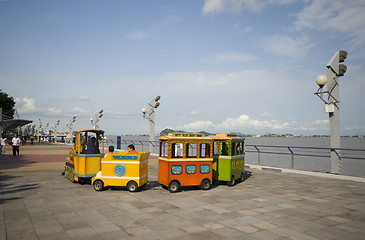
(14,123)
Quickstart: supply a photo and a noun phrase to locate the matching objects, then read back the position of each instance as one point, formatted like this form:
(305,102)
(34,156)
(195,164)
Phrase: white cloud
(25,105)
(237,27)
(265,114)
(245,123)
(284,45)
(137,35)
(340,16)
(80,111)
(230,57)
(116,115)
(197,126)
(83,98)
(186,79)
(232,6)
(321,122)
(216,79)
(193,113)
(54,111)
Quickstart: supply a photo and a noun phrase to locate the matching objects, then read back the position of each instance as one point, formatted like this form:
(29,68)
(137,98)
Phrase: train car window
(237,149)
(177,150)
(215,148)
(242,147)
(204,150)
(164,149)
(224,149)
(191,150)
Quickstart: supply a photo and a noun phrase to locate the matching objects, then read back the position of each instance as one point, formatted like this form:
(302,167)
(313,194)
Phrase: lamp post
(95,121)
(149,114)
(69,126)
(54,127)
(332,104)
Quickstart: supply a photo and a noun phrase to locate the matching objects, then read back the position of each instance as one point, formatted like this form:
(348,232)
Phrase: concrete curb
(309,173)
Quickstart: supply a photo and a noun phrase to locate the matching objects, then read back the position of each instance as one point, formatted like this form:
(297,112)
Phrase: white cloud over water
(244,123)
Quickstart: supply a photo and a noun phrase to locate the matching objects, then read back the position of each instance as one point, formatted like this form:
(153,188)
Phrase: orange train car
(185,159)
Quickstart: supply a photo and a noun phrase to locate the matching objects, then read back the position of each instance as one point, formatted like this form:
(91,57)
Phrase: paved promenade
(38,203)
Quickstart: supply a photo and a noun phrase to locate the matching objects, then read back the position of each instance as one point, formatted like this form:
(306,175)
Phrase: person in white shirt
(3,143)
(16,143)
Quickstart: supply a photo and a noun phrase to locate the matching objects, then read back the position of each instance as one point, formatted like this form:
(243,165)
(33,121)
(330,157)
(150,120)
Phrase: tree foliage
(7,103)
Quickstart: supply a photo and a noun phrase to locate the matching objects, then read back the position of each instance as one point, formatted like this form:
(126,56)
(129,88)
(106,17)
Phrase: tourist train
(185,159)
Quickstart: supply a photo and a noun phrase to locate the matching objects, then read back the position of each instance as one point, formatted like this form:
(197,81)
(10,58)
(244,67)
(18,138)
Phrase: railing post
(292,157)
(258,155)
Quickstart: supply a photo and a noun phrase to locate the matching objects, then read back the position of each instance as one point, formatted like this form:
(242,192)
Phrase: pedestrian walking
(2,144)
(16,143)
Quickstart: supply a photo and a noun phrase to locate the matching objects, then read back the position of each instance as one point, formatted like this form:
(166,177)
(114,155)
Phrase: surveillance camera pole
(150,116)
(334,71)
(334,119)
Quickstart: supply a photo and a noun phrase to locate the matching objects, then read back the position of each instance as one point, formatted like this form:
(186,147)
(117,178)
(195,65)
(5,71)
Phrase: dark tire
(232,182)
(242,178)
(206,184)
(132,186)
(98,185)
(174,186)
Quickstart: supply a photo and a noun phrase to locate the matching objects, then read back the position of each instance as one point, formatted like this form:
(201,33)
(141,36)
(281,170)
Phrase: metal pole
(334,119)
(151,113)
(258,155)
(292,157)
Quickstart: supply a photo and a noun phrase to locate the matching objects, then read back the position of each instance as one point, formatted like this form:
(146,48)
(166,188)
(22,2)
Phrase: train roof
(97,131)
(225,136)
(185,136)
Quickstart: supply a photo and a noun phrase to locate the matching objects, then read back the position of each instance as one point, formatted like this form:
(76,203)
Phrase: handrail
(319,148)
(337,150)
(293,151)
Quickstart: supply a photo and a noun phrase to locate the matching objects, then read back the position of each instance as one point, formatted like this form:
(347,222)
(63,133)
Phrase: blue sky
(218,65)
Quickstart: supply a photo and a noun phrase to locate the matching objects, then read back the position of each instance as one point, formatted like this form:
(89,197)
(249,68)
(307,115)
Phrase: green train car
(228,158)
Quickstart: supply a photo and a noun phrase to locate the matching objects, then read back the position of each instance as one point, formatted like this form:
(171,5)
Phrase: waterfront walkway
(37,202)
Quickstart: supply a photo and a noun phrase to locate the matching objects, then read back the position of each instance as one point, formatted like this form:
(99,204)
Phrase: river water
(319,162)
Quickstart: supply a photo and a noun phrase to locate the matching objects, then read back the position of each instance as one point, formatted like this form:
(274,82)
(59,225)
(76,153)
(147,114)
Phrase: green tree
(7,103)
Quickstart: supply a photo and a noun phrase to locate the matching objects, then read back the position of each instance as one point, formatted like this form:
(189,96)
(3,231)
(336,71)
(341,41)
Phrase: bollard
(119,142)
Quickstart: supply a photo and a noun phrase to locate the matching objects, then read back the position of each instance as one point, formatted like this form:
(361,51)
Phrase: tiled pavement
(42,204)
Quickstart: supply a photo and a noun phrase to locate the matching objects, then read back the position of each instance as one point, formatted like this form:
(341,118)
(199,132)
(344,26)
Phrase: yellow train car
(122,169)
(84,160)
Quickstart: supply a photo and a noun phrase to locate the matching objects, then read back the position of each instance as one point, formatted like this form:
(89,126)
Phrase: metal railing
(141,145)
(351,159)
(343,153)
(299,157)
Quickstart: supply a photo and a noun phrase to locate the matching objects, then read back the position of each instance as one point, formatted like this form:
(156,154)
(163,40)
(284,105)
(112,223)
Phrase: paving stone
(247,228)
(85,232)
(42,204)
(266,235)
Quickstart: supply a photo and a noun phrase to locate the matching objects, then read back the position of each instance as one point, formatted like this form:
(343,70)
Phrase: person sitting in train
(111,151)
(131,149)
(91,147)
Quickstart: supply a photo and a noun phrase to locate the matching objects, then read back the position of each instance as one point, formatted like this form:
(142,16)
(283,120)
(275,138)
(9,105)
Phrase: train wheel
(205,185)
(242,178)
(232,182)
(174,186)
(132,186)
(98,185)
